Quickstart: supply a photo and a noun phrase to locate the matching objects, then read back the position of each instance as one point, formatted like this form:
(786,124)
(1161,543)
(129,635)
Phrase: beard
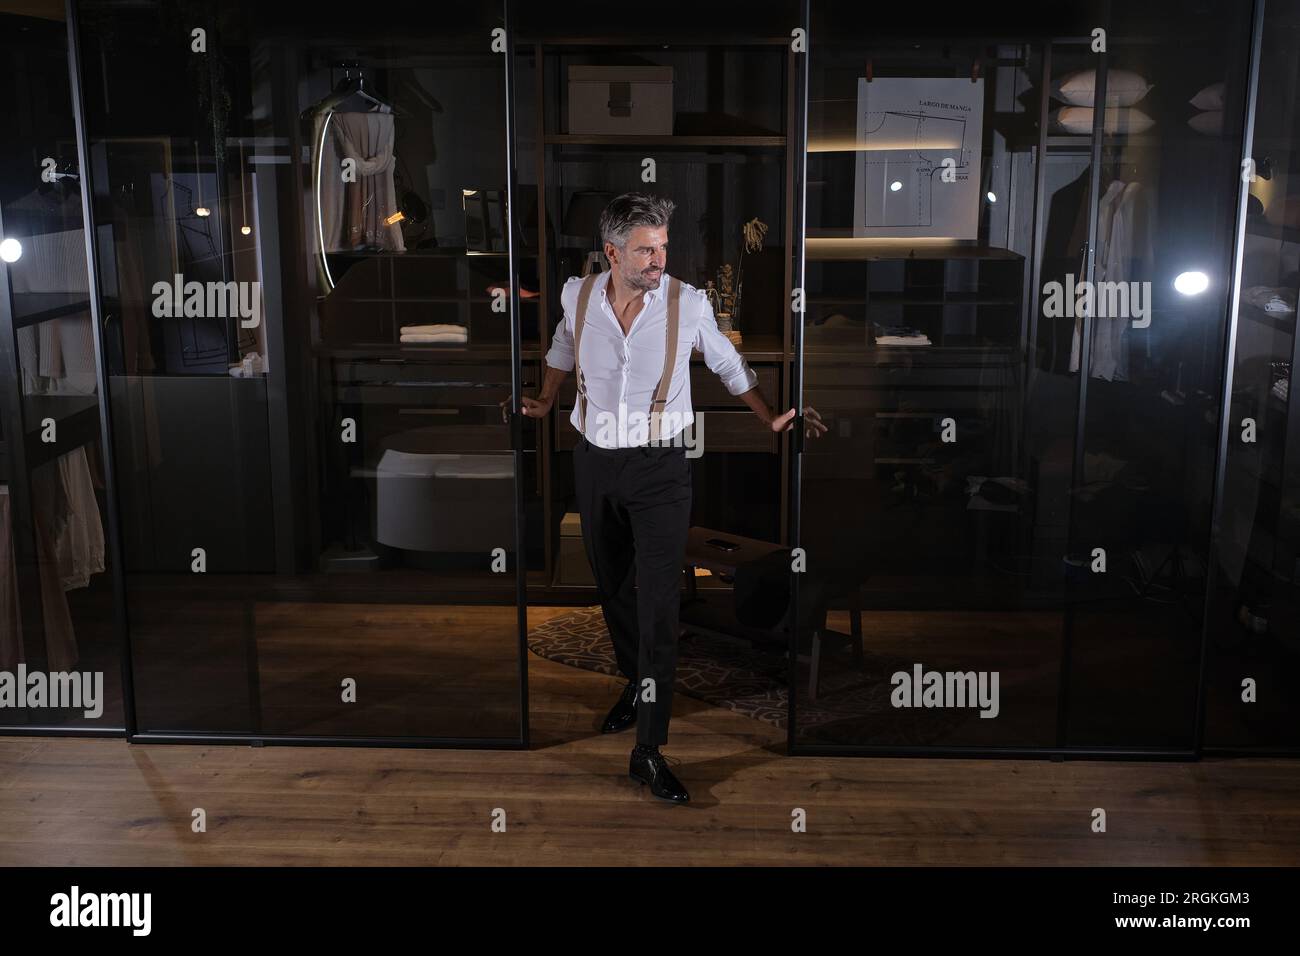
(646,280)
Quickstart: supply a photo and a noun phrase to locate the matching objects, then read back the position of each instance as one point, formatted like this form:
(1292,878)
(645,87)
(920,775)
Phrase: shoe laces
(668,761)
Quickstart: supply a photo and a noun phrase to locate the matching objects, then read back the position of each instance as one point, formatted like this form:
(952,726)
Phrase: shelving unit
(711,190)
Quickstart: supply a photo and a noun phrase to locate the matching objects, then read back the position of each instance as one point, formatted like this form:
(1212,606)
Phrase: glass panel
(1144,483)
(56,580)
(309,363)
(1010,488)
(1254,619)
(932,511)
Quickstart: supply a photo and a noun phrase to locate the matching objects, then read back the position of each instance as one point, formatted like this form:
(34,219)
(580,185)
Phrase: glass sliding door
(932,511)
(58,623)
(1014,313)
(1150,374)
(1253,629)
(312,350)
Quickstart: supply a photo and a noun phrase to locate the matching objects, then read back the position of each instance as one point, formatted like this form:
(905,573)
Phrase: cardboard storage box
(573,566)
(621,99)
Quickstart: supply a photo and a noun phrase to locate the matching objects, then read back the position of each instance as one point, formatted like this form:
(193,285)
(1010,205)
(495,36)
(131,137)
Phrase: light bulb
(1192,283)
(247,230)
(11,250)
(895,186)
(202,211)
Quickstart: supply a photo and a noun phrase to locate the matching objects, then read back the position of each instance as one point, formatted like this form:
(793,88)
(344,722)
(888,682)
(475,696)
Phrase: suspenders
(670,352)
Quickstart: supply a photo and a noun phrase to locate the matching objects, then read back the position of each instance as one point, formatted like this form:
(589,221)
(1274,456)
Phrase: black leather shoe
(648,765)
(623,714)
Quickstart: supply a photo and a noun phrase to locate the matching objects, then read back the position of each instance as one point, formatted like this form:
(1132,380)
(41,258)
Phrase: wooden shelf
(32,308)
(431,299)
(442,252)
(906,298)
(378,350)
(676,142)
(756,347)
(1069,142)
(847,248)
(1267,230)
(77,418)
(1281,323)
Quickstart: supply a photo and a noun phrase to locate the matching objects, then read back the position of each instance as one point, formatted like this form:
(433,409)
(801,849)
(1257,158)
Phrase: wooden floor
(568,801)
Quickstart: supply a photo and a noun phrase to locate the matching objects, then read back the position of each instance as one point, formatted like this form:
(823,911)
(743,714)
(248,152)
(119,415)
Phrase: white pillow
(1210,98)
(1123,88)
(1209,122)
(1078,119)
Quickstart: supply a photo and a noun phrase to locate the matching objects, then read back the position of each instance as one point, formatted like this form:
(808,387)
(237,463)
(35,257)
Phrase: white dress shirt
(622,372)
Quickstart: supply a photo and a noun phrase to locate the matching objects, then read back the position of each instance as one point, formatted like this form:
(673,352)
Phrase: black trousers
(635,505)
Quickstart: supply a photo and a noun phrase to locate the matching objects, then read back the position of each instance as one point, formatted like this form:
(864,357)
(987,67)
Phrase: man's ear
(611,253)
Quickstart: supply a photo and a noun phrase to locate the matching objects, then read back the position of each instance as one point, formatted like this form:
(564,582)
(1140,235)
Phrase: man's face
(641,262)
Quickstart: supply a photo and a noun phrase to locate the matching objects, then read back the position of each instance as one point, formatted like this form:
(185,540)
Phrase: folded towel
(438,337)
(432,329)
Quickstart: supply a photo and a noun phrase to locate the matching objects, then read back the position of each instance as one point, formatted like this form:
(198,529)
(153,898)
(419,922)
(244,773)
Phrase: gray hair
(626,212)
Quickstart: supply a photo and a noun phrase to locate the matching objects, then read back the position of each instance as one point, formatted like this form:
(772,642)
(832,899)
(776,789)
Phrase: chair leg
(814,666)
(855,628)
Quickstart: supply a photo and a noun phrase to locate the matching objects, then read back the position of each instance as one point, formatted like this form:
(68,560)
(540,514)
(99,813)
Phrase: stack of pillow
(1123,89)
(1210,103)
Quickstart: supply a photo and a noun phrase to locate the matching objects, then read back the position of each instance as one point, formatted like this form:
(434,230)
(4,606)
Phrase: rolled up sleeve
(560,354)
(720,355)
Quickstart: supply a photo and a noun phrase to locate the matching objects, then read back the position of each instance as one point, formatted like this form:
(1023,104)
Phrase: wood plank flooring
(568,801)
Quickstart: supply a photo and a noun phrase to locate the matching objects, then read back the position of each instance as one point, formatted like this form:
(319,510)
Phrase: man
(631,473)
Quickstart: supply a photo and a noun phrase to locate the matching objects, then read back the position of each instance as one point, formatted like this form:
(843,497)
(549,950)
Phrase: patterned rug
(852,707)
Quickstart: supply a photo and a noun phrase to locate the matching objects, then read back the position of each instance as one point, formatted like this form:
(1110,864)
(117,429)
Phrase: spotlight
(1192,283)
(11,250)
(895,186)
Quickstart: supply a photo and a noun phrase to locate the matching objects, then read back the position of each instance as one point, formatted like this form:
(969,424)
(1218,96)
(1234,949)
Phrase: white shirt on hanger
(622,372)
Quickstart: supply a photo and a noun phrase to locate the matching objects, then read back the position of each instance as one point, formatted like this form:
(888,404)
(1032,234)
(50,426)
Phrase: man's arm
(551,383)
(742,381)
(559,363)
(729,365)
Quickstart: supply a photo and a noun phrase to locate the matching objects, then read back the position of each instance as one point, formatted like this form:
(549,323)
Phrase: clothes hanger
(347,88)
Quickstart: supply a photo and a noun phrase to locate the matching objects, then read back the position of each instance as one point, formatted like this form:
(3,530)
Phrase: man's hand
(532,407)
(813,425)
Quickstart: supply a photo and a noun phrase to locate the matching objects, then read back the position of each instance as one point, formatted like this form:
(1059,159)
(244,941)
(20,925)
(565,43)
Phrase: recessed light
(1192,283)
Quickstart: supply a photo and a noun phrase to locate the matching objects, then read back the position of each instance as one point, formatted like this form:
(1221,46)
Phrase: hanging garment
(1120,238)
(64,495)
(353,215)
(11,646)
(60,638)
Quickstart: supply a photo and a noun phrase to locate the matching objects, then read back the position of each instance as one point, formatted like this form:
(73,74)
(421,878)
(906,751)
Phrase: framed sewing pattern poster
(918,157)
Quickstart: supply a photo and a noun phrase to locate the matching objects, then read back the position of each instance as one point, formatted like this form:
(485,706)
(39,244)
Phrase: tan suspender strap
(580,313)
(670,357)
